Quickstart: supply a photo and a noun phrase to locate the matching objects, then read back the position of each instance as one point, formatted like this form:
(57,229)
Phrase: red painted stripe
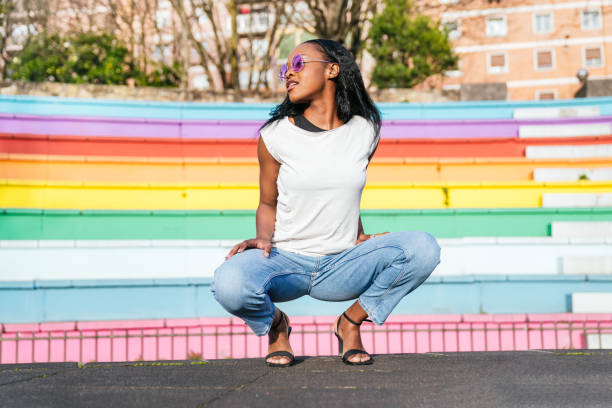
(167,147)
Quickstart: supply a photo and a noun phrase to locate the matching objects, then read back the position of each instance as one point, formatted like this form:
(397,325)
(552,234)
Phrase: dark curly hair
(351,96)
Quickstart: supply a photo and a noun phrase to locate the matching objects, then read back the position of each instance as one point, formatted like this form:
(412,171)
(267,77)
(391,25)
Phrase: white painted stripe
(451,15)
(587,265)
(560,42)
(553,200)
(568,130)
(591,302)
(593,229)
(572,174)
(552,113)
(199,258)
(568,152)
(214,244)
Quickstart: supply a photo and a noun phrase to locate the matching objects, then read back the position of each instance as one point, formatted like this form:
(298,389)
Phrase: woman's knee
(230,287)
(423,248)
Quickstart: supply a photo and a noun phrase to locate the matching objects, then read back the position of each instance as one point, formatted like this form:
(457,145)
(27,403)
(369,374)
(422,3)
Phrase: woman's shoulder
(362,122)
(272,126)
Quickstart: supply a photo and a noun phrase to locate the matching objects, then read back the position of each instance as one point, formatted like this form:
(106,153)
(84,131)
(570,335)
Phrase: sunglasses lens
(297,64)
(283,72)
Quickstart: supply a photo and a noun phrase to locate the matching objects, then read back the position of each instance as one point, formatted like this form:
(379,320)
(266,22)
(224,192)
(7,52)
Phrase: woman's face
(306,85)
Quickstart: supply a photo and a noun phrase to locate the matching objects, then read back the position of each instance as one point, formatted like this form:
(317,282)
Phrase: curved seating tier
(55,300)
(21,143)
(236,170)
(39,105)
(205,196)
(237,129)
(45,224)
(167,259)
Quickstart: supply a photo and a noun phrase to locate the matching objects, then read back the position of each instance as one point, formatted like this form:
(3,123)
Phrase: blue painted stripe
(39,105)
(22,302)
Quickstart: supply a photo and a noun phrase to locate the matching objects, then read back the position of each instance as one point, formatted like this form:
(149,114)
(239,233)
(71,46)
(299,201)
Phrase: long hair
(351,96)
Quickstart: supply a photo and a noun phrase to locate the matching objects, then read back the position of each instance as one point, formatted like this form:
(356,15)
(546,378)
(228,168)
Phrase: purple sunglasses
(297,64)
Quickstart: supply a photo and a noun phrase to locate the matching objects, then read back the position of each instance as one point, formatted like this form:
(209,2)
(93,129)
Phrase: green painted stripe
(240,224)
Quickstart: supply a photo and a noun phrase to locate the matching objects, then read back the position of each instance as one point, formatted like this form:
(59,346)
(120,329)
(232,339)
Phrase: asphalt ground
(564,378)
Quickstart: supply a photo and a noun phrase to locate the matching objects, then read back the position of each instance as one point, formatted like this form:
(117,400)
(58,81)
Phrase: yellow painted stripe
(212,170)
(191,196)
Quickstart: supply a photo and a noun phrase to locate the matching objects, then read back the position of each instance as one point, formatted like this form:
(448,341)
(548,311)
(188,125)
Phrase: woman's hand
(365,237)
(251,243)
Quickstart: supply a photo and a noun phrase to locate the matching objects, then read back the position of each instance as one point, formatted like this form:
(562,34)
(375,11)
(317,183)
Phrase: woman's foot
(351,339)
(278,339)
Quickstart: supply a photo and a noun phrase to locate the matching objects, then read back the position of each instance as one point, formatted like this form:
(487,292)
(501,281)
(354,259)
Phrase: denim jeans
(379,272)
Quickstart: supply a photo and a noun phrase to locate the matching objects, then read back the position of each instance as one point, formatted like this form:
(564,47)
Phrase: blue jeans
(379,272)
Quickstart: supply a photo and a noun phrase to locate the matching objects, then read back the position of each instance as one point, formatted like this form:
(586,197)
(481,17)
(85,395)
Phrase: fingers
(237,248)
(266,248)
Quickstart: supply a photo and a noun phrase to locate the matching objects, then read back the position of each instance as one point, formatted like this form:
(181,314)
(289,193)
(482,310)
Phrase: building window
(454,29)
(591,19)
(546,94)
(496,26)
(543,23)
(497,63)
(593,56)
(544,60)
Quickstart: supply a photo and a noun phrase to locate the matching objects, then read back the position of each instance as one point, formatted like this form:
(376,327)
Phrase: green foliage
(85,58)
(408,47)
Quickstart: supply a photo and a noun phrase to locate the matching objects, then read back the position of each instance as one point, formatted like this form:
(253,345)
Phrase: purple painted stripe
(207,129)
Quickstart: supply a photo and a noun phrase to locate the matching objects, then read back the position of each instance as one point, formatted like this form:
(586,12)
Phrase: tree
(340,20)
(6,28)
(408,47)
(228,49)
(84,58)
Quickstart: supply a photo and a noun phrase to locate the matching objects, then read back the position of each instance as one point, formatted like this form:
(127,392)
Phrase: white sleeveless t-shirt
(320,181)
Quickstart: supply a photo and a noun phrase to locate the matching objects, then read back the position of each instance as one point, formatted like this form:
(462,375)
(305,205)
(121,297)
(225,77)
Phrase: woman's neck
(323,115)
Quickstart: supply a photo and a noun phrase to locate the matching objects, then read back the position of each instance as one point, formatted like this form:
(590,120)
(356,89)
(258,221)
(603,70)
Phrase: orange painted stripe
(246,170)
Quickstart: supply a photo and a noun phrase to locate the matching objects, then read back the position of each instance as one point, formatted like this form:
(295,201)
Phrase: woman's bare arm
(268,192)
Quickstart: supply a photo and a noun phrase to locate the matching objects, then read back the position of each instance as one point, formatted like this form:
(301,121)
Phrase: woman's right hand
(251,243)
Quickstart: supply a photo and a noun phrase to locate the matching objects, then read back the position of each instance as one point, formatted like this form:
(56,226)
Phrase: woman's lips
(291,85)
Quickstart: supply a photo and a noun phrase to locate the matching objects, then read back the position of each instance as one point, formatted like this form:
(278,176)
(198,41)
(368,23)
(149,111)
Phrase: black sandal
(281,353)
(351,352)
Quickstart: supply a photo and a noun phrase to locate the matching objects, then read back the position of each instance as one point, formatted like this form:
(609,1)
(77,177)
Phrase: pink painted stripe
(211,338)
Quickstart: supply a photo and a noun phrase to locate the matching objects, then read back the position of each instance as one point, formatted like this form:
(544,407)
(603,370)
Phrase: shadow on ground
(576,378)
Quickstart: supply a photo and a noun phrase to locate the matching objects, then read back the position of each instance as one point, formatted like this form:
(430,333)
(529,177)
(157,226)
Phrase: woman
(313,154)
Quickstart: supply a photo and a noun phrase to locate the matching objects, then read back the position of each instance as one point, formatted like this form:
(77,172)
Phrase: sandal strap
(352,352)
(354,322)
(281,353)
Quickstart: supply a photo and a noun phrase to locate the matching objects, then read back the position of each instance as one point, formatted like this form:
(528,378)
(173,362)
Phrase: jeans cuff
(370,314)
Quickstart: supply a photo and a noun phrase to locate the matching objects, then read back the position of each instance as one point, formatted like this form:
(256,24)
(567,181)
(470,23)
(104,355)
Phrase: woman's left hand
(365,237)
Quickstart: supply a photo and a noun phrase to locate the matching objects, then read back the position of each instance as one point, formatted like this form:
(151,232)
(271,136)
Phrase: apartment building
(524,49)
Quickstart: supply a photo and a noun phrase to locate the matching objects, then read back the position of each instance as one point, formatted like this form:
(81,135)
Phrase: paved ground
(493,379)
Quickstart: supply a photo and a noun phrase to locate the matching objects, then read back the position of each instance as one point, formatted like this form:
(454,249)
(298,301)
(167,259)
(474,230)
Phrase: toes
(278,360)
(357,358)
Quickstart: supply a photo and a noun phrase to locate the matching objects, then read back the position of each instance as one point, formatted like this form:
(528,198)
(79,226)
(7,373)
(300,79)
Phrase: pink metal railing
(230,338)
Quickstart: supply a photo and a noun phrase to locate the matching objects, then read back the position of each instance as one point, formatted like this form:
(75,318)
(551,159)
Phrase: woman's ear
(333,71)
